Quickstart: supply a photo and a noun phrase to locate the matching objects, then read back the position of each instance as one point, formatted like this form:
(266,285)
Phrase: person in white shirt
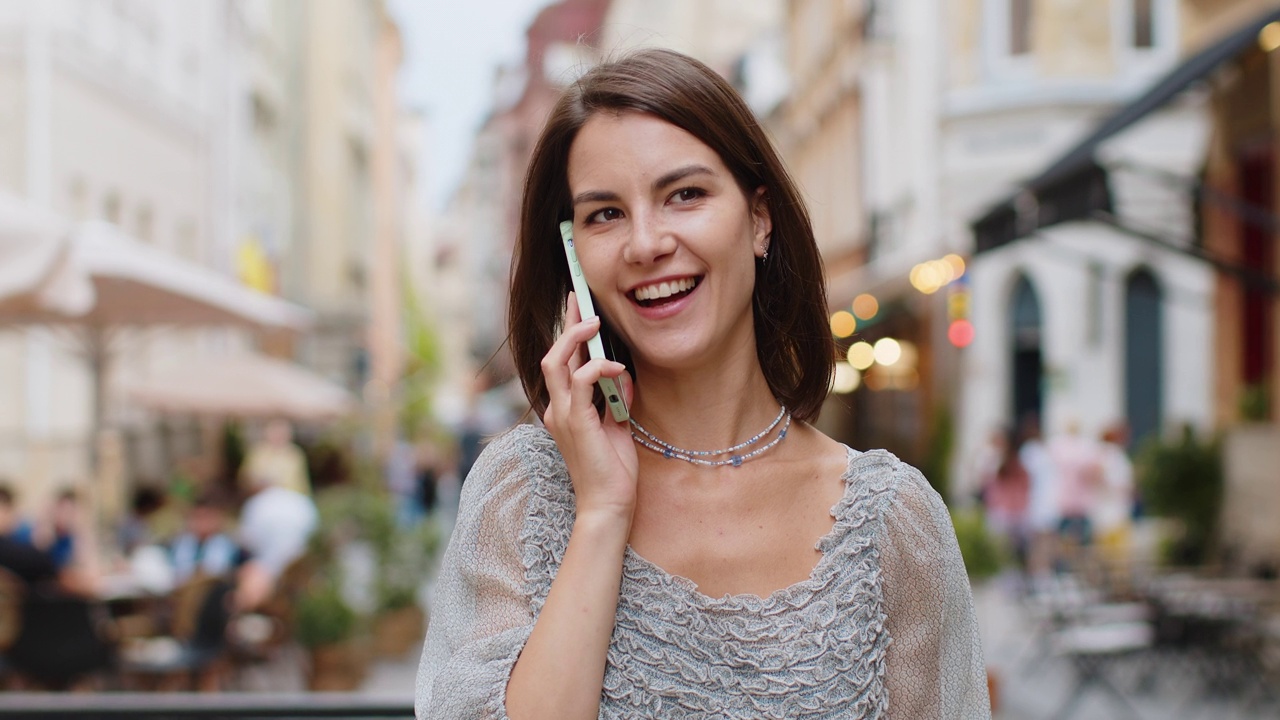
(275,526)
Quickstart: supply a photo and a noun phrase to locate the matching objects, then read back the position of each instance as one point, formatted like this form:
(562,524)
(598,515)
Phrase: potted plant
(1182,479)
(326,625)
(403,565)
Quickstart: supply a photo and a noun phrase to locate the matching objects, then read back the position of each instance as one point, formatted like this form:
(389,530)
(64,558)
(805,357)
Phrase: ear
(762,222)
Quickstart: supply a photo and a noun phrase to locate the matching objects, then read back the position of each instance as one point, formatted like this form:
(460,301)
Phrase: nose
(648,241)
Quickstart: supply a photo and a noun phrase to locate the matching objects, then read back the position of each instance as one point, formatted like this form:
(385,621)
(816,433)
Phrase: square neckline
(752,601)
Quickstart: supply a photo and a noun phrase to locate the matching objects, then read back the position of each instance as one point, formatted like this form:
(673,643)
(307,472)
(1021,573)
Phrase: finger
(556,363)
(584,383)
(572,313)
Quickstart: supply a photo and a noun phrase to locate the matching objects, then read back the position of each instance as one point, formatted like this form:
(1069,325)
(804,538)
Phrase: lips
(663,292)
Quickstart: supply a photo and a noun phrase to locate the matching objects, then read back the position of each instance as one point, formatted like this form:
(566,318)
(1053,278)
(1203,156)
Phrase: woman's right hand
(599,453)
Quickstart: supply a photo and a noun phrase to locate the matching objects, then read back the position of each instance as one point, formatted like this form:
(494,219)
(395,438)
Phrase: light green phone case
(595,347)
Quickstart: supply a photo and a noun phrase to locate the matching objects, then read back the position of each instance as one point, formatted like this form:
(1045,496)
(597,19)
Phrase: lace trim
(675,650)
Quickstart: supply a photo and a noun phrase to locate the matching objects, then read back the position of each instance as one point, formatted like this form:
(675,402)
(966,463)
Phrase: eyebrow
(670,178)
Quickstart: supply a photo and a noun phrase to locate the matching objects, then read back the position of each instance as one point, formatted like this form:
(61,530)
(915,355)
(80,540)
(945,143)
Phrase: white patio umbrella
(136,285)
(242,385)
(34,274)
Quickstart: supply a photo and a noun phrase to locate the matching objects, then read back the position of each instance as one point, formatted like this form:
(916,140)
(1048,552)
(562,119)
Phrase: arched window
(1028,363)
(1143,355)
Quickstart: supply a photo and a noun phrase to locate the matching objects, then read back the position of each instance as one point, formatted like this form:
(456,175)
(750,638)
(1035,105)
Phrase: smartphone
(595,347)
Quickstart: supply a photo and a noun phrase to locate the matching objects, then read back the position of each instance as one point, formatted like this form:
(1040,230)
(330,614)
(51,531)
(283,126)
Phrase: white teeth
(664,289)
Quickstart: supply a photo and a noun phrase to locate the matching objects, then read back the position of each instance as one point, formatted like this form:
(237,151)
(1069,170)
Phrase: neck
(708,408)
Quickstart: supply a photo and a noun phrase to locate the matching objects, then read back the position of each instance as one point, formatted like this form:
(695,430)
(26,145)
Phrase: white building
(910,118)
(113,111)
(1081,323)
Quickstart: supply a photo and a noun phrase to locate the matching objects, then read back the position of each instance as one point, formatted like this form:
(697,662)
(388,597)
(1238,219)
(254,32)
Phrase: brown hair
(793,340)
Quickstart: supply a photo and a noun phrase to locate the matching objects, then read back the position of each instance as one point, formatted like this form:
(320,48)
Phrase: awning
(242,385)
(1076,186)
(34,274)
(137,285)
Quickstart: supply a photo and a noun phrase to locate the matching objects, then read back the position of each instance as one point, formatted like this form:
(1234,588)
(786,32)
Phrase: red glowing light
(960,333)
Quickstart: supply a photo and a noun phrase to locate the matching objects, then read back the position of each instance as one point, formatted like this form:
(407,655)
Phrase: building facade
(236,134)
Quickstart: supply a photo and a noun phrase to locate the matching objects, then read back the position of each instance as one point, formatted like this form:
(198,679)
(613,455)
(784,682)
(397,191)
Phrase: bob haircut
(789,302)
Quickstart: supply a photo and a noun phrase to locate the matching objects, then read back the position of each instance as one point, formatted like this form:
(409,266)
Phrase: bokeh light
(865,306)
(861,355)
(1269,37)
(846,379)
(956,263)
(960,333)
(887,351)
(843,323)
(877,378)
(909,356)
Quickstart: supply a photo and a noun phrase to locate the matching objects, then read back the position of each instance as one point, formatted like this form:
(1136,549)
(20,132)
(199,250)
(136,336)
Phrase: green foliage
(1182,479)
(404,563)
(937,462)
(323,617)
(1255,403)
(982,554)
(422,364)
(404,554)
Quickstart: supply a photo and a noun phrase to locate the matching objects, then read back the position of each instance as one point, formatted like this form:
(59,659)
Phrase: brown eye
(604,215)
(688,194)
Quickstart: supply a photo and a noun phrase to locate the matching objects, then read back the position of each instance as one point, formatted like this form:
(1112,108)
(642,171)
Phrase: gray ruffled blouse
(883,628)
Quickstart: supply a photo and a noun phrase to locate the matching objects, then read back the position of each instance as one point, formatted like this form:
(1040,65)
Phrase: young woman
(632,570)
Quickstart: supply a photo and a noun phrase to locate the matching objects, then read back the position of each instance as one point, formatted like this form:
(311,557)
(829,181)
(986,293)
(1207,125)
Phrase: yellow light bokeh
(846,379)
(1269,37)
(909,355)
(865,306)
(861,355)
(843,323)
(957,264)
(924,277)
(887,351)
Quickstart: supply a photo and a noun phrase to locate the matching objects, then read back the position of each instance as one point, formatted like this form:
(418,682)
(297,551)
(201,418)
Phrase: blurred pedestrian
(1042,498)
(275,525)
(1112,516)
(12,525)
(402,482)
(204,548)
(1079,467)
(427,475)
(135,529)
(277,460)
(1006,497)
(63,532)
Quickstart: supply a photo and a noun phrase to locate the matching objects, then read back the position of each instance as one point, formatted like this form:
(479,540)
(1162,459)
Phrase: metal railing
(189,706)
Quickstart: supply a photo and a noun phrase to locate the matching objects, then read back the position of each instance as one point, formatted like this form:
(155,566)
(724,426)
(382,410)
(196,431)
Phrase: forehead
(616,146)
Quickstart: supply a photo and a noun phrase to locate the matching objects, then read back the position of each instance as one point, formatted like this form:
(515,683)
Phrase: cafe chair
(63,640)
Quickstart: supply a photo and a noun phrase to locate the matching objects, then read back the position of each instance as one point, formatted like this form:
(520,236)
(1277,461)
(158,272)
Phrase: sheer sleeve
(481,616)
(934,665)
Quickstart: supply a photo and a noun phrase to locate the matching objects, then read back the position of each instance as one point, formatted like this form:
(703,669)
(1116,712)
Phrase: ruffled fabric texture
(822,648)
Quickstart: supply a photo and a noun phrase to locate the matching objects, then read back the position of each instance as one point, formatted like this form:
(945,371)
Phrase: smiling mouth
(664,292)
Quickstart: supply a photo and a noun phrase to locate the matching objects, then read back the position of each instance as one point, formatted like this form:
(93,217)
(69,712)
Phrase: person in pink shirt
(1078,461)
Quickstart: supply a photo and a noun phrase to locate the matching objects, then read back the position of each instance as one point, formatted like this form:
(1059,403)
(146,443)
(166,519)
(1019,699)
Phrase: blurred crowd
(1059,499)
(60,569)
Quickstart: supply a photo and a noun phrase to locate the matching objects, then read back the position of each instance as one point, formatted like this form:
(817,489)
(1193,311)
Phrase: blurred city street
(255,266)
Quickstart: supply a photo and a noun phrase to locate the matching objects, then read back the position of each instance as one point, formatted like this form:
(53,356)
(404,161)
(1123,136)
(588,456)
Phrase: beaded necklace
(667,450)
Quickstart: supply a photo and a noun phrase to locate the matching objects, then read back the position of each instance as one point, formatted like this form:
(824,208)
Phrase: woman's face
(666,238)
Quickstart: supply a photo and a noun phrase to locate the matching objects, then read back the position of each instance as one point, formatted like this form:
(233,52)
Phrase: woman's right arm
(560,672)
